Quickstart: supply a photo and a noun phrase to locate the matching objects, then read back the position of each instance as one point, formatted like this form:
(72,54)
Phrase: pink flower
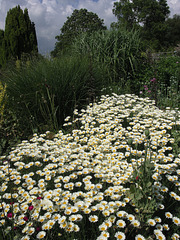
(137,177)
(30,207)
(149,91)
(153,80)
(25,219)
(9,215)
(39,197)
(38,229)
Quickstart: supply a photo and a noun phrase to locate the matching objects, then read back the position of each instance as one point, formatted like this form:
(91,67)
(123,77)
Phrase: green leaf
(149,184)
(18,236)
(139,196)
(132,188)
(7,231)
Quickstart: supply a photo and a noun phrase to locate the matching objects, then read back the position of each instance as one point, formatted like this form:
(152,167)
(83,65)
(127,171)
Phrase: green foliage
(173,33)
(43,93)
(141,191)
(123,10)
(176,135)
(1,47)
(2,100)
(19,35)
(145,12)
(147,15)
(9,132)
(80,21)
(118,49)
(161,81)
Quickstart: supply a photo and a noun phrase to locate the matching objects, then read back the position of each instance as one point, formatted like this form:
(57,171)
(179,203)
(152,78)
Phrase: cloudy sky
(50,15)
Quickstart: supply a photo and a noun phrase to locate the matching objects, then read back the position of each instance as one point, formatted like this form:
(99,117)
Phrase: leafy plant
(141,186)
(19,36)
(42,93)
(161,81)
(80,21)
(118,49)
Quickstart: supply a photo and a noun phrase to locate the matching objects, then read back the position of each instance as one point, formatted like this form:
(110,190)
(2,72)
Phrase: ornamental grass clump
(2,100)
(114,176)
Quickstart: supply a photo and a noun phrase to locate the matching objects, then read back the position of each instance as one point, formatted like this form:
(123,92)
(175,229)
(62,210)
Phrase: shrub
(2,100)
(161,81)
(43,92)
(119,50)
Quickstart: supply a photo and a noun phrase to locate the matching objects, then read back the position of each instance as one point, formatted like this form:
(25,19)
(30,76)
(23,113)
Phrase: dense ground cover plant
(161,81)
(115,176)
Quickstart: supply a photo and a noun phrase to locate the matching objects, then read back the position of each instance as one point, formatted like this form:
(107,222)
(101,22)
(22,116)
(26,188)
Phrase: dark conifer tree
(19,35)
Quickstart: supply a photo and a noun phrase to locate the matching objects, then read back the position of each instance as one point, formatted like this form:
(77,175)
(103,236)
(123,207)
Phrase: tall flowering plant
(141,185)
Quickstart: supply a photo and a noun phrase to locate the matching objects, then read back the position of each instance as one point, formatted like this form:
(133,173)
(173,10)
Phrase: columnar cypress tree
(19,35)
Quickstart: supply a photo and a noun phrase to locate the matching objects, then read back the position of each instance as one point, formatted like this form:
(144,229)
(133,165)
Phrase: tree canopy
(19,35)
(149,15)
(80,21)
(173,33)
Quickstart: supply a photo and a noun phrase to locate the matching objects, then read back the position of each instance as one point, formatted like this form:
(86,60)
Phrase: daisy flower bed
(115,175)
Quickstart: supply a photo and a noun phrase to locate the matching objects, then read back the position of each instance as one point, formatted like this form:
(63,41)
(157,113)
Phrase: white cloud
(102,7)
(50,15)
(174,7)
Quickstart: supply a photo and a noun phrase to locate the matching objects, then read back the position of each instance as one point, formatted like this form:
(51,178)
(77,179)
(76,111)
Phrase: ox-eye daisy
(168,215)
(25,237)
(121,223)
(139,237)
(176,220)
(41,235)
(120,235)
(151,222)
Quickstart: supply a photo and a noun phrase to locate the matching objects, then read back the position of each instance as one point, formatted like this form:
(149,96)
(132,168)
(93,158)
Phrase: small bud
(136,145)
(130,141)
(147,133)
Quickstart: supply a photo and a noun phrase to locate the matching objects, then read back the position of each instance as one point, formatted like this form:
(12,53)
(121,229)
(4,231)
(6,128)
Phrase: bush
(42,93)
(119,50)
(161,81)
(2,100)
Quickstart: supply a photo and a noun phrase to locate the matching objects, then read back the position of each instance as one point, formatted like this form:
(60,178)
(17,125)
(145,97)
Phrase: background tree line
(150,17)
